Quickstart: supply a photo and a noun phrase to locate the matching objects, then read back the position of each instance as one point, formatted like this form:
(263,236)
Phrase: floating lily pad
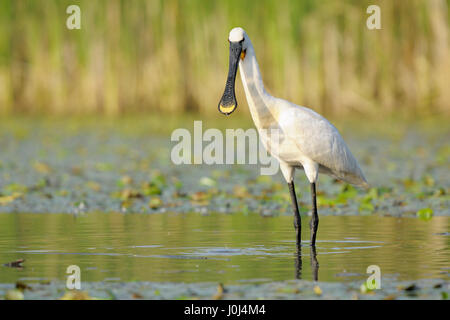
(425,214)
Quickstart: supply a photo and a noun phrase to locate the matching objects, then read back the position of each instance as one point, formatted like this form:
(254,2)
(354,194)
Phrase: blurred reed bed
(172,55)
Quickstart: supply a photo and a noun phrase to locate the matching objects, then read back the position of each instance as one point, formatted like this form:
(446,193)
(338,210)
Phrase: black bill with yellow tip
(228,102)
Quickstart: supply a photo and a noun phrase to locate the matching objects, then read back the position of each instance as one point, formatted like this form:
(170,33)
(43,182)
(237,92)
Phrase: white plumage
(304,138)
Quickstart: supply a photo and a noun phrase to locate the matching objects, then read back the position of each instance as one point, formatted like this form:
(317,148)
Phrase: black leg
(314,223)
(297,219)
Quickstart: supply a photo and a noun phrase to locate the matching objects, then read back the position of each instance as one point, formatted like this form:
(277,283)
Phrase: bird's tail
(364,185)
(357,180)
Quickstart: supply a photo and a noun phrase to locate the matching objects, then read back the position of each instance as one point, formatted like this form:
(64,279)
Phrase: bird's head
(238,48)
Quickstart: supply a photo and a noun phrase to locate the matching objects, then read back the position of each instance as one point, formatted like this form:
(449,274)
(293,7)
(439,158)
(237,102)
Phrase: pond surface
(105,196)
(235,248)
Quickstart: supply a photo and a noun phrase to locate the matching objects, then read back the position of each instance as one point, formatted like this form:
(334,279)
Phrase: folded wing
(317,139)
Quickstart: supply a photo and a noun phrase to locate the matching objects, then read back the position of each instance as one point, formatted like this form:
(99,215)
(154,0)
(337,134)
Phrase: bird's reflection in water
(314,263)
(313,260)
(298,262)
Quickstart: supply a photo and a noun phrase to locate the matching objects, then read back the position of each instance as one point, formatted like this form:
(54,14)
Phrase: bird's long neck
(259,101)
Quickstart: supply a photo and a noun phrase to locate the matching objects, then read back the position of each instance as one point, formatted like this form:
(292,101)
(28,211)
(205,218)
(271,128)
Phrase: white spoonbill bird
(303,139)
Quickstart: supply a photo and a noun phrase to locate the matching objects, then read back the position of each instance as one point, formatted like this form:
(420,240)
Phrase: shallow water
(106,197)
(234,248)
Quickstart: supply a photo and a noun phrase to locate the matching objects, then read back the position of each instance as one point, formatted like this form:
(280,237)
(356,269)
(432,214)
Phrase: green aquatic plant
(425,214)
(104,166)
(11,198)
(14,294)
(14,188)
(207,182)
(364,289)
(155,203)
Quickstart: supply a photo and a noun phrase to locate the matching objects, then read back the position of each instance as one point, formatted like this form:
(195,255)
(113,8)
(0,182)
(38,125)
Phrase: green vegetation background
(171,56)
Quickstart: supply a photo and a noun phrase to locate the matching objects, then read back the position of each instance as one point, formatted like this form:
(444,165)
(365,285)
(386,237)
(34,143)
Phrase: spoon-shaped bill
(228,102)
